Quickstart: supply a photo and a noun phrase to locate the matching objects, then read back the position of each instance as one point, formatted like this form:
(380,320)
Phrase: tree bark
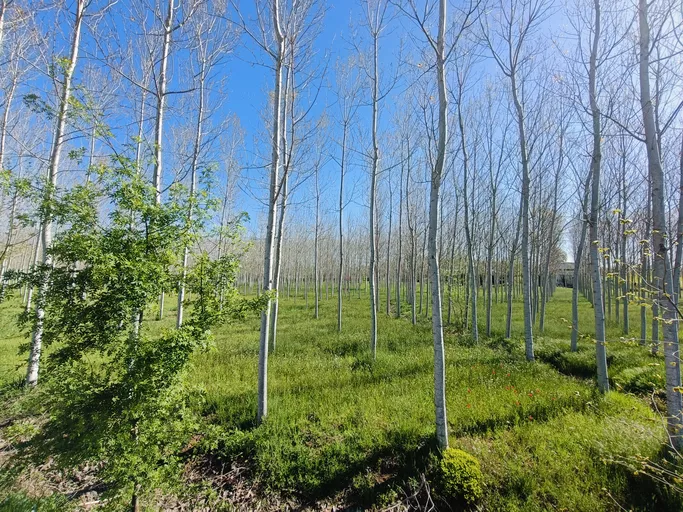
(663,278)
(373,194)
(342,172)
(437,174)
(511,275)
(193,185)
(272,213)
(46,222)
(576,278)
(596,157)
(526,277)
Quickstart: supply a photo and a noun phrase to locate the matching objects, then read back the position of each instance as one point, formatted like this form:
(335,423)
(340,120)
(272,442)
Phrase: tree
(518,21)
(595,253)
(422,17)
(211,43)
(67,68)
(300,31)
(437,173)
(663,277)
(160,93)
(348,86)
(129,413)
(461,73)
(375,17)
(578,257)
(277,53)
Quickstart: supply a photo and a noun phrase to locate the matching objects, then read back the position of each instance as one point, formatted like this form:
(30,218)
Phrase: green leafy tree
(115,385)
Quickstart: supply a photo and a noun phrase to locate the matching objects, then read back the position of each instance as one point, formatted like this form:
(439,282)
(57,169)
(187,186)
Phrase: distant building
(565,274)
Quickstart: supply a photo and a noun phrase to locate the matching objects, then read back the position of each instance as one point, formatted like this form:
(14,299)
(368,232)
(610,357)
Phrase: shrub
(460,476)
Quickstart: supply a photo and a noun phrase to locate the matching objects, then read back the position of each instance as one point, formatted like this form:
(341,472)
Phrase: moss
(460,477)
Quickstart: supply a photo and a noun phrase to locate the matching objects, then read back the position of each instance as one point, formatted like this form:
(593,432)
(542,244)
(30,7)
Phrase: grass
(561,464)
(342,424)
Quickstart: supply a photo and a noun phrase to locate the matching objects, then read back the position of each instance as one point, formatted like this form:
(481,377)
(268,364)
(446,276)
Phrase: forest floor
(346,432)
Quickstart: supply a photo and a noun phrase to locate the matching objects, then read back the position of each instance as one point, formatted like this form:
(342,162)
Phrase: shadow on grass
(367,481)
(630,368)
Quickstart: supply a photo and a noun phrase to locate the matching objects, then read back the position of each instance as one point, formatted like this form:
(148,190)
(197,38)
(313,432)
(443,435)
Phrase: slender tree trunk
(36,253)
(5,115)
(545,283)
(452,261)
(8,241)
(159,122)
(341,225)
(193,185)
(468,234)
(422,266)
(576,278)
(526,277)
(161,101)
(645,270)
(46,222)
(678,261)
(287,149)
(413,255)
(373,197)
(511,275)
(3,11)
(316,266)
(623,263)
(272,213)
(277,266)
(399,255)
(662,264)
(489,264)
(437,174)
(141,132)
(598,307)
(388,282)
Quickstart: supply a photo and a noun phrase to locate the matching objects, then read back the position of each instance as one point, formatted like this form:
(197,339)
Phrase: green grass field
(343,427)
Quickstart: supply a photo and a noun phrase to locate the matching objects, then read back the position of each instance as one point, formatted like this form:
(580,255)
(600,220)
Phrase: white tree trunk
(161,100)
(596,257)
(3,13)
(159,121)
(373,199)
(578,257)
(8,242)
(53,168)
(399,254)
(193,185)
(272,213)
(437,174)
(340,281)
(468,234)
(526,274)
(36,253)
(662,264)
(388,271)
(316,244)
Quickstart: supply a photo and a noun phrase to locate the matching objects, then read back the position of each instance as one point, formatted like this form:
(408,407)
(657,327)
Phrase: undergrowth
(343,427)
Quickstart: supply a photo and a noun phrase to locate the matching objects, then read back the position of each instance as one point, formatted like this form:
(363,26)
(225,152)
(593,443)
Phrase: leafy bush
(460,477)
(115,387)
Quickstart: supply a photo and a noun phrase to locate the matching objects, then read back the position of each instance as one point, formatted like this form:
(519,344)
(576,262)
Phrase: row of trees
(455,150)
(551,117)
